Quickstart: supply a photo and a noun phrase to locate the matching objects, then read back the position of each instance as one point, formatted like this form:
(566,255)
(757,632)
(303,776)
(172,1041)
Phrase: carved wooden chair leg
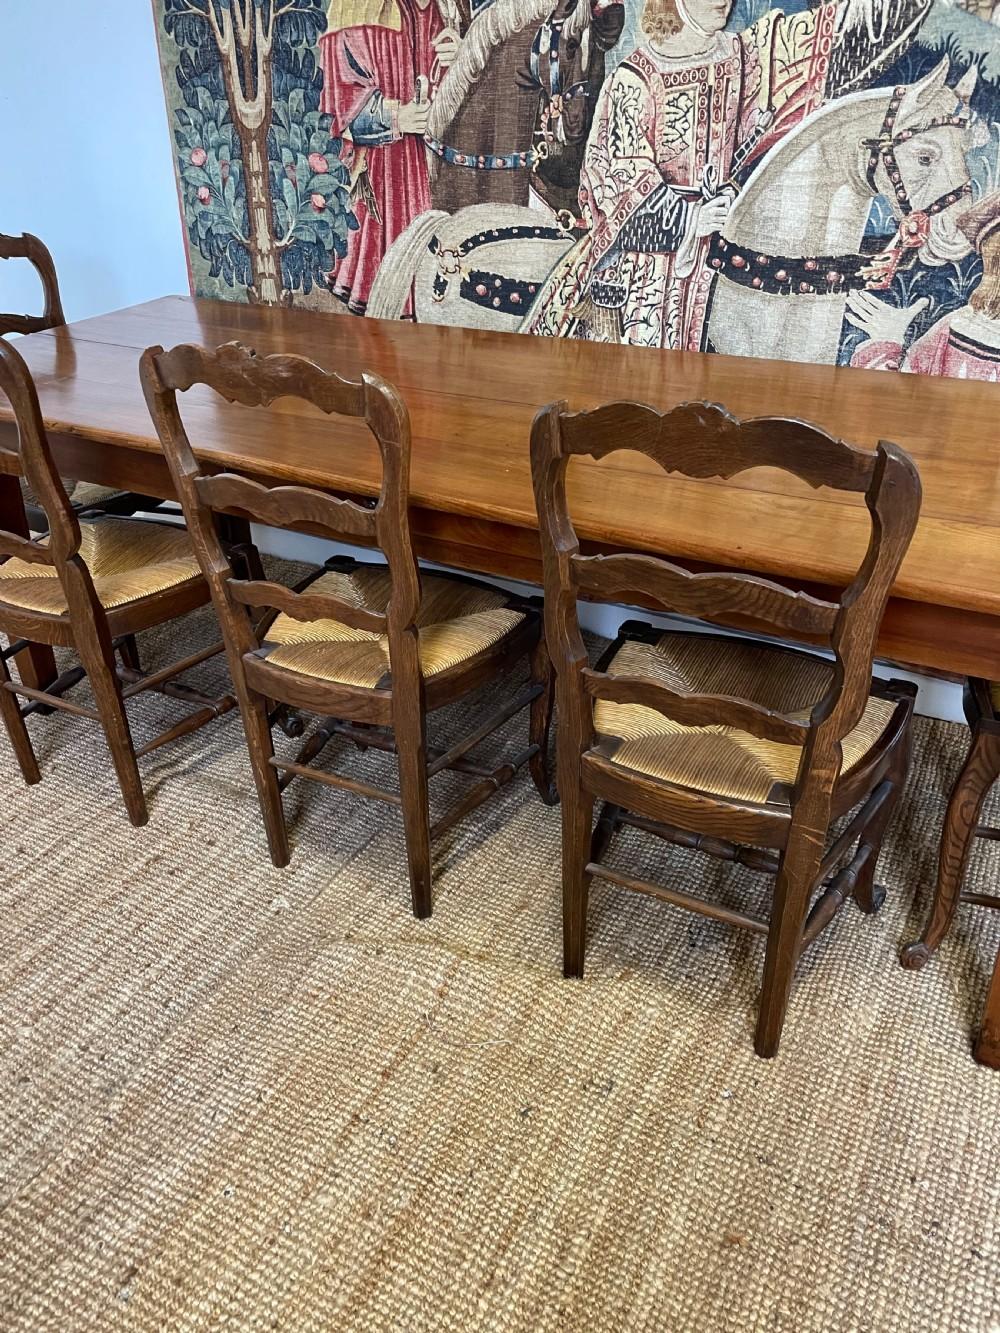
(797,874)
(16,728)
(577,813)
(981,769)
(98,660)
(868,895)
(987,1048)
(257,728)
(411,747)
(540,721)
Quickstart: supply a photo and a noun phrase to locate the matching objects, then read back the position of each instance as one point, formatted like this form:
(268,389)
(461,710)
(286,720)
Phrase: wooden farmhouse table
(472,396)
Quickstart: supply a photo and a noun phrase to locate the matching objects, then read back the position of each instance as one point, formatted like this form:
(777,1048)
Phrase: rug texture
(243,1098)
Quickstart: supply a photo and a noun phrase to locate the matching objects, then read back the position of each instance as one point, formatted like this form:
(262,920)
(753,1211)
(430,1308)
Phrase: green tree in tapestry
(265,195)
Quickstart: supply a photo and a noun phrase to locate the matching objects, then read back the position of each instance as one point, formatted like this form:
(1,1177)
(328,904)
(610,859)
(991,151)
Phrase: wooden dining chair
(90,585)
(86,498)
(961,825)
(745,750)
(373,648)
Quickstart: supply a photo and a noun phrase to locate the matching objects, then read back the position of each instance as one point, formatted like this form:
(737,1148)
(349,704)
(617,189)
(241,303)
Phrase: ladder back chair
(961,825)
(747,751)
(372,648)
(90,585)
(86,498)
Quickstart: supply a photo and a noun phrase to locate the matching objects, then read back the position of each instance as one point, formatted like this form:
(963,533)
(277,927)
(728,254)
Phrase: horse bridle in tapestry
(783,276)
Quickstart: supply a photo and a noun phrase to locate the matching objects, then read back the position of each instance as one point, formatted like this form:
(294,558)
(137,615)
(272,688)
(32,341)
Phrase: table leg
(37,664)
(980,771)
(987,1049)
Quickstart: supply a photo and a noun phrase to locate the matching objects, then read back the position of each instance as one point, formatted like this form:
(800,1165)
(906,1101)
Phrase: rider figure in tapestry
(514,108)
(676,128)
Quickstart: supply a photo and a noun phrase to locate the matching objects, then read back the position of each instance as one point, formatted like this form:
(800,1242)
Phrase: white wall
(85,153)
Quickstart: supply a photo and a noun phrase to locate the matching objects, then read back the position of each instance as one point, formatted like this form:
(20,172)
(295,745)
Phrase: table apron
(919,634)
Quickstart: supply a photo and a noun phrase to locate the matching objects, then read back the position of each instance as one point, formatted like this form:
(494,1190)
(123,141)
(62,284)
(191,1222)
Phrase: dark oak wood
(961,826)
(471,397)
(92,630)
(37,664)
(397,706)
(987,1047)
(704,440)
(30,248)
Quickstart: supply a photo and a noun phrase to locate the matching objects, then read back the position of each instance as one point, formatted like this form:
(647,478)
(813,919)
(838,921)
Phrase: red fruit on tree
(318,163)
(318,202)
(198,157)
(204,194)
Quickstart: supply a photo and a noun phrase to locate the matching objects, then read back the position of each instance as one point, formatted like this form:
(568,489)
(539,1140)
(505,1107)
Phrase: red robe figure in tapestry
(380,59)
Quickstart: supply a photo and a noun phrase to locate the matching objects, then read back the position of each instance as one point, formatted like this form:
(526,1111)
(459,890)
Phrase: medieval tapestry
(805,181)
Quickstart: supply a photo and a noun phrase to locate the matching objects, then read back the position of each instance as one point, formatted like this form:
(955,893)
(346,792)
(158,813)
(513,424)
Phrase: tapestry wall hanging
(813,182)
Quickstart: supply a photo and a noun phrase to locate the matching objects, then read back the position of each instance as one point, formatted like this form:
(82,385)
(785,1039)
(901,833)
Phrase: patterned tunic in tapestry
(668,136)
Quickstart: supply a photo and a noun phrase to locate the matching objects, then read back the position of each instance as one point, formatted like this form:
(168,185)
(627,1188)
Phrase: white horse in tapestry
(810,195)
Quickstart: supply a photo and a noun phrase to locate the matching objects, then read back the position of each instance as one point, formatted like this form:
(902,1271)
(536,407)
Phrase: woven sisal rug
(241,1098)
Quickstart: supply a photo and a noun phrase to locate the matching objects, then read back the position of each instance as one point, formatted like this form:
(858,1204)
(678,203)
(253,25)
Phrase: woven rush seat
(721,760)
(88,494)
(127,561)
(456,621)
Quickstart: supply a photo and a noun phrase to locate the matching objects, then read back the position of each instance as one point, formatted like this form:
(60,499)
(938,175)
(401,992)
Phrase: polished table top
(472,396)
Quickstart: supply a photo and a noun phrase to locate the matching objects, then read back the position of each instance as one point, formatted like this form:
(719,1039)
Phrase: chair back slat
(31,248)
(295,507)
(708,596)
(21,548)
(239,375)
(305,605)
(696,710)
(703,440)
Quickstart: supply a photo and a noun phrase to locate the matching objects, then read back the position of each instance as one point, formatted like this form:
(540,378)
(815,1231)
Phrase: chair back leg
(410,727)
(98,660)
(797,875)
(260,747)
(17,730)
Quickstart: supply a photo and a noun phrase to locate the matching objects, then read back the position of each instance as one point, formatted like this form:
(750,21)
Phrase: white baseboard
(935,698)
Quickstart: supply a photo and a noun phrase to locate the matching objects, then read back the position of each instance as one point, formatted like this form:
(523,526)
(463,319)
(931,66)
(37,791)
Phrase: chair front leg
(987,1048)
(980,771)
(17,729)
